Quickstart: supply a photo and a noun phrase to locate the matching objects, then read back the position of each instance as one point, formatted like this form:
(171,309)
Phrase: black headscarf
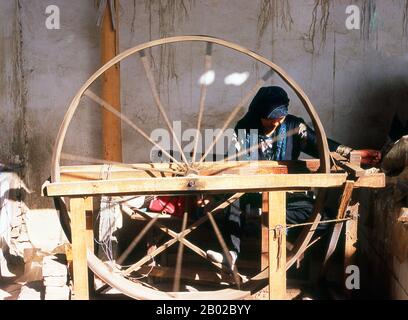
(269,103)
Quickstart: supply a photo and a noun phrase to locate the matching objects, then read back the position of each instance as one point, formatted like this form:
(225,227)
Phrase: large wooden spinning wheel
(184,176)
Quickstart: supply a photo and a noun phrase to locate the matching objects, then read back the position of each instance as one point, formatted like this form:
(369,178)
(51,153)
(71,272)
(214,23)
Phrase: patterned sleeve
(237,146)
(308,143)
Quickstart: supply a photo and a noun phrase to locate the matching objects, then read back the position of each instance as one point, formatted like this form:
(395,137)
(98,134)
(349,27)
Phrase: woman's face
(270,124)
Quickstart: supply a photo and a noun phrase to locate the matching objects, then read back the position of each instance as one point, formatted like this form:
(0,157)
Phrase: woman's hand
(370,157)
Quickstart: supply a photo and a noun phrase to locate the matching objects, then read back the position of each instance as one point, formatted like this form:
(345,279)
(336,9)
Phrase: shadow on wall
(379,104)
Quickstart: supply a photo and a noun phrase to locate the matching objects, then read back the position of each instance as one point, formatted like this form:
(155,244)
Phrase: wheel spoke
(224,248)
(148,257)
(235,111)
(207,67)
(136,240)
(179,261)
(159,104)
(72,157)
(107,106)
(215,208)
(175,235)
(181,237)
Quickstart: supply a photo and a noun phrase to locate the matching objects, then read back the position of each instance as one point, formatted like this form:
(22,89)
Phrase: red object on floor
(169,205)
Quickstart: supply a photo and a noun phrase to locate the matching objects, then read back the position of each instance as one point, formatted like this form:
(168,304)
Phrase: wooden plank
(99,172)
(207,168)
(351,167)
(197,184)
(375,181)
(110,86)
(354,169)
(302,165)
(88,203)
(79,239)
(355,157)
(277,245)
(214,184)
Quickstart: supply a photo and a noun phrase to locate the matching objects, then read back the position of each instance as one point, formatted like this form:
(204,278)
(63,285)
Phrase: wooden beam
(212,184)
(277,245)
(110,86)
(195,184)
(375,181)
(79,239)
(351,167)
(99,172)
(89,222)
(88,206)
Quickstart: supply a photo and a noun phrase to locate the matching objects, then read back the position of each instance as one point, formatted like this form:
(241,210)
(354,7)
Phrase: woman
(278,136)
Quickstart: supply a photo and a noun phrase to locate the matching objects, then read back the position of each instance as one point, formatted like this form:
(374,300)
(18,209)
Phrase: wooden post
(277,245)
(89,223)
(350,248)
(341,214)
(79,239)
(111,124)
(88,203)
(265,231)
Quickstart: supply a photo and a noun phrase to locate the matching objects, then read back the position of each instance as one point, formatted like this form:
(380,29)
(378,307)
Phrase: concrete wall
(356,79)
(12,95)
(40,71)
